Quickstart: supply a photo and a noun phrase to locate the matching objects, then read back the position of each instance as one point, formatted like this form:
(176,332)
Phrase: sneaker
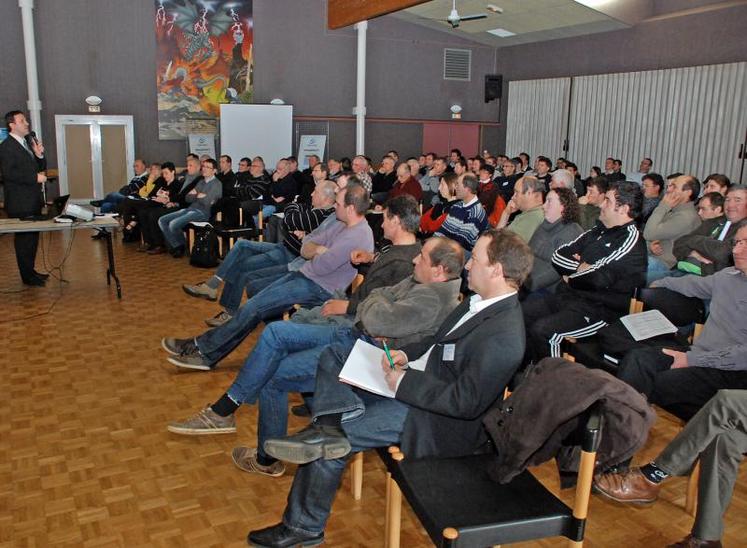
(205,422)
(175,346)
(219,319)
(316,441)
(245,458)
(191,358)
(201,291)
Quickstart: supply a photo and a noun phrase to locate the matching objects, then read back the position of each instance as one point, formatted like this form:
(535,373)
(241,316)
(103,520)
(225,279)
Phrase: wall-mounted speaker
(493,87)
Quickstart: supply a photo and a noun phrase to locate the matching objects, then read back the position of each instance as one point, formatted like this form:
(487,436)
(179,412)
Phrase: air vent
(457,64)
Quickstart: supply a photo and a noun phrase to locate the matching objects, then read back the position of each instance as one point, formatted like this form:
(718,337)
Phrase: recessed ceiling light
(494,8)
(503,33)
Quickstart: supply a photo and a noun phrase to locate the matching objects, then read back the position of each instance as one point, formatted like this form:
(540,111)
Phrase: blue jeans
(374,421)
(267,210)
(657,269)
(283,360)
(172,225)
(270,302)
(241,263)
(111,201)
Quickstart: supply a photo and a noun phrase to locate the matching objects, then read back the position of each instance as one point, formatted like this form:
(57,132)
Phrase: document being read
(363,369)
(648,324)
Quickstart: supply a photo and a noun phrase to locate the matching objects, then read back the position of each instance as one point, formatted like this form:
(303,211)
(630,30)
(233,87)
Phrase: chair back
(678,309)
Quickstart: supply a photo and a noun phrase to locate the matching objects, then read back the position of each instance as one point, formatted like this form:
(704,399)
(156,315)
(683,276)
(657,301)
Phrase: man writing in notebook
(436,411)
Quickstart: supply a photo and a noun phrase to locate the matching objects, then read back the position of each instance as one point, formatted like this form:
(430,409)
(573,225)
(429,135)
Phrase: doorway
(94,154)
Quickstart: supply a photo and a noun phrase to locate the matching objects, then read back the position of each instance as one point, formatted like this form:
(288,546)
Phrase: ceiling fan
(454,18)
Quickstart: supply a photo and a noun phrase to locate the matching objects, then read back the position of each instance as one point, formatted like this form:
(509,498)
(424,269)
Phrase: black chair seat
(520,510)
(590,353)
(235,232)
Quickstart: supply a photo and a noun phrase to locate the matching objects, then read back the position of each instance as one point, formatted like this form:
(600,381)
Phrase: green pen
(388,355)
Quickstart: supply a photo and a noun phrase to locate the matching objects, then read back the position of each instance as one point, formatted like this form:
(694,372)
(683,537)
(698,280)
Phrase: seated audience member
(595,171)
(590,204)
(167,199)
(616,174)
(559,228)
(414,170)
(252,183)
(710,206)
(466,220)
(434,217)
(406,184)
(643,169)
(507,180)
(426,162)
(282,189)
(707,248)
(454,155)
(437,411)
(226,175)
(687,378)
(528,197)
(716,182)
(128,207)
(578,185)
(200,199)
(111,200)
(489,195)
(542,167)
(475,164)
(716,437)
(286,357)
(296,173)
(675,216)
(562,178)
(430,181)
(653,190)
(311,178)
(560,163)
(362,169)
(327,270)
(335,169)
(249,259)
(525,159)
(383,180)
(460,166)
(600,271)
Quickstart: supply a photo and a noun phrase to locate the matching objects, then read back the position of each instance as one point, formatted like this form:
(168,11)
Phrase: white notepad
(648,324)
(363,369)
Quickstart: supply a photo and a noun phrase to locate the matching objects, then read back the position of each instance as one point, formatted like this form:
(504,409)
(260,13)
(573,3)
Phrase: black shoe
(35,281)
(301,410)
(41,275)
(314,442)
(96,203)
(178,252)
(280,536)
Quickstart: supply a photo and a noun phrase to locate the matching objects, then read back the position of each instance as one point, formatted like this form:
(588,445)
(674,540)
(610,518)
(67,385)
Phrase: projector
(78,212)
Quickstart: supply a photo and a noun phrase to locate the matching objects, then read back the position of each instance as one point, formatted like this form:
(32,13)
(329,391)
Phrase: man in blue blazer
(22,164)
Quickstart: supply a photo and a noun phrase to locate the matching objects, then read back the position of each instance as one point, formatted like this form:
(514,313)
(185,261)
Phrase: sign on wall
(308,145)
(202,143)
(204,59)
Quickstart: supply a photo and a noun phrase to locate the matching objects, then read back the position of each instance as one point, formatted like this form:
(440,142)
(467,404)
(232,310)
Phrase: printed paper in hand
(363,369)
(648,324)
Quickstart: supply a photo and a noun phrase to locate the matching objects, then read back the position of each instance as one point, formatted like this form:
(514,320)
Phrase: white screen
(256,130)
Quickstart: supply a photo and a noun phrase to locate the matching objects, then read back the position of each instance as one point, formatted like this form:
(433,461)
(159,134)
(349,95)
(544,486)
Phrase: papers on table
(648,324)
(363,369)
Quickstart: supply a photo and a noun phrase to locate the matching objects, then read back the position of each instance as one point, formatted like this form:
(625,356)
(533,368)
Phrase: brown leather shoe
(691,542)
(631,486)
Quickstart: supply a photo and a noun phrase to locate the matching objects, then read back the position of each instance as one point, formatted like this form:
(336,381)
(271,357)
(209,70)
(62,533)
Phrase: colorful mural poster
(204,58)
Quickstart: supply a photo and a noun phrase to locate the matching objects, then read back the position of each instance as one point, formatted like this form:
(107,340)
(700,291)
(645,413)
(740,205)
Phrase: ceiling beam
(341,13)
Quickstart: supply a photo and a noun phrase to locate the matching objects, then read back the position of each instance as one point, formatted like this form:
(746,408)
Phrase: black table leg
(111,271)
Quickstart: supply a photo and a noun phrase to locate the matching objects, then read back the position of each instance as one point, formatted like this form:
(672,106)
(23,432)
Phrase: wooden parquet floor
(85,458)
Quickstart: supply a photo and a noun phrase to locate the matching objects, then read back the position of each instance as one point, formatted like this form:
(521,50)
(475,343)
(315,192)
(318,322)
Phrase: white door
(94,154)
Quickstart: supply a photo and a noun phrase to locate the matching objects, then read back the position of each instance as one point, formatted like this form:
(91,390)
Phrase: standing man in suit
(436,410)
(22,163)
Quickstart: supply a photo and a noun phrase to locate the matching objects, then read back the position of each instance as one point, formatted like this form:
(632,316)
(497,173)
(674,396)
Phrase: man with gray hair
(562,178)
(529,195)
(466,220)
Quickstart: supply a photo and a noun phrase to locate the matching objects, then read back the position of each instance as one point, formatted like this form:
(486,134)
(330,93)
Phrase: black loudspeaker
(493,87)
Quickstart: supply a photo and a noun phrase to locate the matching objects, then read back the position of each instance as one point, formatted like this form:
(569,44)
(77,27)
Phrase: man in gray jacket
(675,216)
(717,359)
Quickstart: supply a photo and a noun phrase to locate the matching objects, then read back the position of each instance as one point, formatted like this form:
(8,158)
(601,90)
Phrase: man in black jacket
(438,402)
(22,164)
(601,269)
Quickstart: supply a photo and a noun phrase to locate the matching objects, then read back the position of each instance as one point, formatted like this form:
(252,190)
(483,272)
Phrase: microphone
(32,137)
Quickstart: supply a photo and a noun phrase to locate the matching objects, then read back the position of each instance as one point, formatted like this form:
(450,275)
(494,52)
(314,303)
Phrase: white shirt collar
(478,304)
(472,201)
(20,140)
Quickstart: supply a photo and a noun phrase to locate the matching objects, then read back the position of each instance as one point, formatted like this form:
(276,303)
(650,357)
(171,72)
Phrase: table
(102,224)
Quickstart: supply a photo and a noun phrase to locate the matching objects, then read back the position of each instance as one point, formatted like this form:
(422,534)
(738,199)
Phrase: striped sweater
(464,223)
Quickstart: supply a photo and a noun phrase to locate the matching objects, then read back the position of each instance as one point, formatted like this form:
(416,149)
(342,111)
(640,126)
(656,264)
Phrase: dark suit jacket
(23,195)
(450,397)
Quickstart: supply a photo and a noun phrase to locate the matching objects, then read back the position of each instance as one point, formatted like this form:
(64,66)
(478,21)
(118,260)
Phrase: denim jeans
(270,302)
(378,422)
(657,269)
(267,211)
(283,360)
(111,201)
(244,259)
(172,225)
